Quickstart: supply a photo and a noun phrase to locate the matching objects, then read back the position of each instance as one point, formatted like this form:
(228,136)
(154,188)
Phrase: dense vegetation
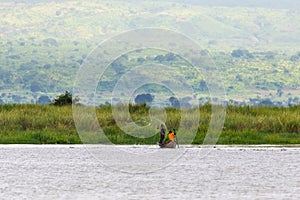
(44,43)
(40,124)
(255,48)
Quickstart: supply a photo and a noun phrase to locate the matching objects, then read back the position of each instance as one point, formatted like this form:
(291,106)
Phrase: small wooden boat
(170,144)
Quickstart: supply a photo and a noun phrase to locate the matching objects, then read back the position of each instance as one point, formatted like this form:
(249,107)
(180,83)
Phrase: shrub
(64,99)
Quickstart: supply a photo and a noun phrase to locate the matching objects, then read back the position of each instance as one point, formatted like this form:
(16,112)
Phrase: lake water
(140,172)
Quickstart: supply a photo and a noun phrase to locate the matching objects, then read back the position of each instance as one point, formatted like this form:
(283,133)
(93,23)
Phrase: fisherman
(170,136)
(162,134)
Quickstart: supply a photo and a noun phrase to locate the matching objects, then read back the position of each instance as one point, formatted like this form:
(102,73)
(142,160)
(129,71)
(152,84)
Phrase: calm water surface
(102,172)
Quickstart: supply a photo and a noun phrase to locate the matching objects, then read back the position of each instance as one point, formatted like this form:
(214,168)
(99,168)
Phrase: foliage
(255,50)
(43,100)
(240,53)
(54,124)
(144,98)
(37,124)
(174,102)
(64,99)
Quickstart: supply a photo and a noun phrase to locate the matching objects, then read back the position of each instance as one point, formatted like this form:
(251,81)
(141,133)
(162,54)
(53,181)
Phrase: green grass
(46,124)
(36,124)
(39,137)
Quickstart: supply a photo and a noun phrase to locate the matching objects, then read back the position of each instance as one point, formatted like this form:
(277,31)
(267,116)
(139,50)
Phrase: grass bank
(47,124)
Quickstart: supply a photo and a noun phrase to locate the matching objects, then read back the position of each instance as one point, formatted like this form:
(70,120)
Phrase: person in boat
(171,136)
(162,134)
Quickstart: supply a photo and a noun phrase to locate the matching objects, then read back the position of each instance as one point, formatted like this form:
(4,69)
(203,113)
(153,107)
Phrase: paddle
(176,138)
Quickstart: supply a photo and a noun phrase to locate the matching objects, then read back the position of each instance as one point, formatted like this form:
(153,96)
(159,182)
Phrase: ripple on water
(53,171)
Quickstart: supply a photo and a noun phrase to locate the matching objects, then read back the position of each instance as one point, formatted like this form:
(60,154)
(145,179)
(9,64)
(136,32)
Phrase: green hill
(44,43)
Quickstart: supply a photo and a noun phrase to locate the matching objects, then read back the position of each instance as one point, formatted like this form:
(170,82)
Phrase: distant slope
(43,43)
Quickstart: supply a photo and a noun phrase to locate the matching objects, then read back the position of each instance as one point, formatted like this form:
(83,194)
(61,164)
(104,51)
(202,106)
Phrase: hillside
(43,44)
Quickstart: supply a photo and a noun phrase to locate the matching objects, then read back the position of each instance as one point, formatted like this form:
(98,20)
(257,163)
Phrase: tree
(64,99)
(50,42)
(43,100)
(237,53)
(144,98)
(241,53)
(140,60)
(266,102)
(58,12)
(294,58)
(203,86)
(159,58)
(16,98)
(47,66)
(35,87)
(170,57)
(279,92)
(174,102)
(118,66)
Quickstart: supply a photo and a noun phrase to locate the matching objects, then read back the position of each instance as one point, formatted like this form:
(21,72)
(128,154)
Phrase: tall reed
(243,125)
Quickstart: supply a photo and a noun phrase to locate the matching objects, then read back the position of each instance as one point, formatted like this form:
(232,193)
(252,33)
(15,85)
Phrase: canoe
(171,144)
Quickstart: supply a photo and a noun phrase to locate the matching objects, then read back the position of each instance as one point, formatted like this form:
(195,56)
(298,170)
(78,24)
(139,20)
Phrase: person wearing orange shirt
(170,136)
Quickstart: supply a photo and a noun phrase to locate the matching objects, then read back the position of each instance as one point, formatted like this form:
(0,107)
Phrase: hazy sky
(287,4)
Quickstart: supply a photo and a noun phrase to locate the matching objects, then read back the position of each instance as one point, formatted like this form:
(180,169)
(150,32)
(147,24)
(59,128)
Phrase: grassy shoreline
(47,124)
